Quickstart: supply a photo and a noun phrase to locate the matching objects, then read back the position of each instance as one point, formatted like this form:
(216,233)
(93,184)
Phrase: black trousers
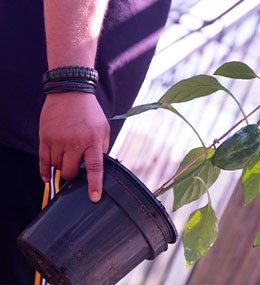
(21,196)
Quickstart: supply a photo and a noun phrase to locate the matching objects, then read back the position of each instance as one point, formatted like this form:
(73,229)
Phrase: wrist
(73,55)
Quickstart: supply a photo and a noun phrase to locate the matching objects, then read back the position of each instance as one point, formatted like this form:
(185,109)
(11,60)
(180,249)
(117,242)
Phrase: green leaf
(187,187)
(257,240)
(251,180)
(236,69)
(200,233)
(191,88)
(137,110)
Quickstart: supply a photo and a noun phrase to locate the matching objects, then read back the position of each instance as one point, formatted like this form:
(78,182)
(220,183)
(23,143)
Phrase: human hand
(73,127)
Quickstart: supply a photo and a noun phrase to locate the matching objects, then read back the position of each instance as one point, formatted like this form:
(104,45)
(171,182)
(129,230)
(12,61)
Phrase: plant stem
(239,106)
(239,122)
(206,190)
(161,189)
(177,181)
(170,108)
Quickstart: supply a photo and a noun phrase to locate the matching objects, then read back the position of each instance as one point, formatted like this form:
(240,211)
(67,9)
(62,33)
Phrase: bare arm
(73,125)
(72,30)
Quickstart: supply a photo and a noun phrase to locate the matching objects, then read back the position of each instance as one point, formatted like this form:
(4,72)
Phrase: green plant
(201,167)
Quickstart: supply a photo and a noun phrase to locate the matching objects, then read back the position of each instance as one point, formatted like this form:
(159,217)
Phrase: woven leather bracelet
(70,78)
(71,72)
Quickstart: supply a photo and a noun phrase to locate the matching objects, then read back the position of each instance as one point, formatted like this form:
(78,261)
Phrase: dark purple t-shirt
(127,43)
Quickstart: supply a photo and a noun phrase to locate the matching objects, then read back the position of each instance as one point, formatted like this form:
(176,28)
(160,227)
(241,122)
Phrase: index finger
(93,157)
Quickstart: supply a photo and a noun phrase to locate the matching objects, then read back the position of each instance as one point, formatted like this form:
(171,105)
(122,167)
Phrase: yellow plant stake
(50,190)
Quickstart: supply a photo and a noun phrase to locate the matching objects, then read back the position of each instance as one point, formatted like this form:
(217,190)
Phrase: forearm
(72,31)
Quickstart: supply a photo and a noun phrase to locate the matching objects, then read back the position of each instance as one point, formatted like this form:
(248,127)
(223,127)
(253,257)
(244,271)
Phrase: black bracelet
(69,79)
(70,72)
(69,86)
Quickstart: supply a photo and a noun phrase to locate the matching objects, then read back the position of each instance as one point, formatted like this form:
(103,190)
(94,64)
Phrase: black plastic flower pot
(74,241)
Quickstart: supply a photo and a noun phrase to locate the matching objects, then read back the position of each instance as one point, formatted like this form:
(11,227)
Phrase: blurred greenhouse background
(198,38)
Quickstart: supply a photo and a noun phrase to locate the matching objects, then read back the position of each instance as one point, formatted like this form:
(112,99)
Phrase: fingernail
(45,179)
(95,197)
